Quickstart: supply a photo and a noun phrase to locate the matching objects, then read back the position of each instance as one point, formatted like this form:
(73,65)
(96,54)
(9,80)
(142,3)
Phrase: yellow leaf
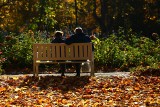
(17,89)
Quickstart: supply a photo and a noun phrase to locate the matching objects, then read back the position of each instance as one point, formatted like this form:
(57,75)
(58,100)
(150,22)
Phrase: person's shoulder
(87,36)
(53,41)
(63,40)
(88,39)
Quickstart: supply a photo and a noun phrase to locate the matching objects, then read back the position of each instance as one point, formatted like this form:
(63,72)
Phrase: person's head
(78,30)
(58,34)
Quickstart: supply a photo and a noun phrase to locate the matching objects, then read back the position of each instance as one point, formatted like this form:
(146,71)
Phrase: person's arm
(70,40)
(53,41)
(88,39)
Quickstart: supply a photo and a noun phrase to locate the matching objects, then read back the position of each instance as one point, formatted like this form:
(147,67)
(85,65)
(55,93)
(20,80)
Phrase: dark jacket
(78,38)
(58,40)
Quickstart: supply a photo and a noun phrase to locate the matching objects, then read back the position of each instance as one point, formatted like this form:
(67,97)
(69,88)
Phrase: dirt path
(122,74)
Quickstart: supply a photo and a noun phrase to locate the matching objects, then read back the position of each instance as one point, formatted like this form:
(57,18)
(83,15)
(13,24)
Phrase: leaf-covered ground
(84,91)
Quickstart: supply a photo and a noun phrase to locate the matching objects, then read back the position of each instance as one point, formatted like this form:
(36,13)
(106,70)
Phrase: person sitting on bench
(78,37)
(58,39)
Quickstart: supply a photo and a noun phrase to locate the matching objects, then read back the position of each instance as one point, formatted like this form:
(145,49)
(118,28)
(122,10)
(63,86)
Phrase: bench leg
(35,69)
(92,69)
(37,66)
(92,65)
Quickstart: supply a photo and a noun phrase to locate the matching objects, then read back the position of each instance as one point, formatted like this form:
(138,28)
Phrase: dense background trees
(128,26)
(93,15)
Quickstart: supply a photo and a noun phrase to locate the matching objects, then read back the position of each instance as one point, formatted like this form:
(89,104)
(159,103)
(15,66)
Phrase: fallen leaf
(2,89)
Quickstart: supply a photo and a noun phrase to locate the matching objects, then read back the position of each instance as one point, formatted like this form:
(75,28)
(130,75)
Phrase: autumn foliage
(93,15)
(81,91)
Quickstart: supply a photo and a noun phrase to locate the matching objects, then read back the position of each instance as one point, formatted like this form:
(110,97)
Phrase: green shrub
(126,51)
(18,48)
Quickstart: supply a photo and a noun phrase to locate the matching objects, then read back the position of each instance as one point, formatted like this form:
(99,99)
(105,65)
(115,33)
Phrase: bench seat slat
(40,62)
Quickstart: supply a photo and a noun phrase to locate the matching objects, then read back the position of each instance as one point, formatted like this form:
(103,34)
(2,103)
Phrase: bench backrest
(62,51)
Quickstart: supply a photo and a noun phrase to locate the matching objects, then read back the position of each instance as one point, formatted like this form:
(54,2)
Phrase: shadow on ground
(55,82)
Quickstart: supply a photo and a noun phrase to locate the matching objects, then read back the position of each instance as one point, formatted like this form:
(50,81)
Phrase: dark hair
(78,30)
(58,34)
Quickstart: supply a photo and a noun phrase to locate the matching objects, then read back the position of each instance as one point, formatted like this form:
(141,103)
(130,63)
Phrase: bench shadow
(65,84)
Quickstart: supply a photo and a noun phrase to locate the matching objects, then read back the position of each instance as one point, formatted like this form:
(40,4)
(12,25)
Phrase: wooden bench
(62,53)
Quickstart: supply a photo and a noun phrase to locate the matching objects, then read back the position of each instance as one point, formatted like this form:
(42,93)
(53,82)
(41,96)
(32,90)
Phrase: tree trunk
(102,19)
